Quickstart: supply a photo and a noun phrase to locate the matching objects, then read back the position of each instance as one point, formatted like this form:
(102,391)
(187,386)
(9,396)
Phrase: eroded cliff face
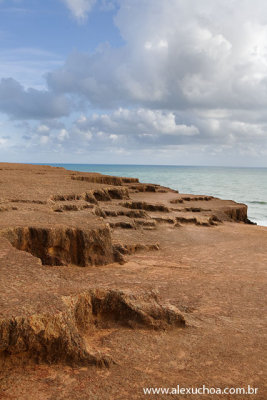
(94,195)
(45,225)
(65,336)
(238,213)
(69,219)
(104,179)
(64,245)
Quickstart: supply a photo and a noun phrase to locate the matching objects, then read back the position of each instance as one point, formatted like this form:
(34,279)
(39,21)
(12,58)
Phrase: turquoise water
(245,185)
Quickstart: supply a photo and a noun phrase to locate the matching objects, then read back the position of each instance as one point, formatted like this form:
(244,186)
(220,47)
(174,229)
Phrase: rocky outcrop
(145,187)
(237,213)
(93,196)
(197,198)
(70,206)
(65,336)
(122,224)
(105,179)
(127,213)
(142,205)
(45,337)
(135,248)
(63,245)
(105,308)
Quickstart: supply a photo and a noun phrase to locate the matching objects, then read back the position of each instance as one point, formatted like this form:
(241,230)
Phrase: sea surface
(245,185)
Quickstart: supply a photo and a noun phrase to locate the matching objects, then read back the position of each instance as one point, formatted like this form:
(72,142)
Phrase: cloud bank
(30,104)
(177,55)
(189,74)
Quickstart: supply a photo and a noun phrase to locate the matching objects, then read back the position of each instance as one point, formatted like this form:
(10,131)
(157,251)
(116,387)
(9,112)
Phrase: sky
(180,82)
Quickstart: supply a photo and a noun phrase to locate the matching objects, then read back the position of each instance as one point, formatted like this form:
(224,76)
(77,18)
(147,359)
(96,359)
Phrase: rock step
(182,199)
(63,245)
(93,196)
(104,179)
(142,205)
(73,206)
(201,221)
(126,213)
(61,336)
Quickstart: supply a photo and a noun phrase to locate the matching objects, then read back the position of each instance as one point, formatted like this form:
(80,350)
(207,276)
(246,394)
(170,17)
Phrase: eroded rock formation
(65,335)
(63,245)
(53,217)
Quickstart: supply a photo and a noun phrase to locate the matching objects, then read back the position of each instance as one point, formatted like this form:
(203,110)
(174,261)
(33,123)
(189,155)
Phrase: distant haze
(134,81)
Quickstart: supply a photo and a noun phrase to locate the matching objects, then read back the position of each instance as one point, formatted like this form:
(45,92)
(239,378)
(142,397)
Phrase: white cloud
(135,128)
(82,119)
(113,137)
(176,55)
(43,129)
(80,8)
(147,121)
(44,139)
(63,135)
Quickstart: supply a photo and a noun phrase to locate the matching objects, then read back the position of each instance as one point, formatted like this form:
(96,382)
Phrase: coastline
(245,185)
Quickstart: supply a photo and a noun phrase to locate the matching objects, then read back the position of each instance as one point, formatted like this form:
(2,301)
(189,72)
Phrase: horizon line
(135,165)
(149,165)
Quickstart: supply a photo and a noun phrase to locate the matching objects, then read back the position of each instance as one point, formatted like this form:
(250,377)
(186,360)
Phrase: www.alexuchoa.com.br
(203,390)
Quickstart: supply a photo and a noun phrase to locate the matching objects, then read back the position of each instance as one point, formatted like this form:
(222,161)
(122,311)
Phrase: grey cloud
(137,127)
(177,55)
(212,131)
(144,129)
(30,104)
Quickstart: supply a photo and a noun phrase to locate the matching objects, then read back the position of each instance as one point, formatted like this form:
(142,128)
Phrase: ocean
(245,185)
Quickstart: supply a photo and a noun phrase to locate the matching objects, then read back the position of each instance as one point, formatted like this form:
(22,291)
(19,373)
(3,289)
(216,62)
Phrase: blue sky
(134,81)
(46,33)
(49,26)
